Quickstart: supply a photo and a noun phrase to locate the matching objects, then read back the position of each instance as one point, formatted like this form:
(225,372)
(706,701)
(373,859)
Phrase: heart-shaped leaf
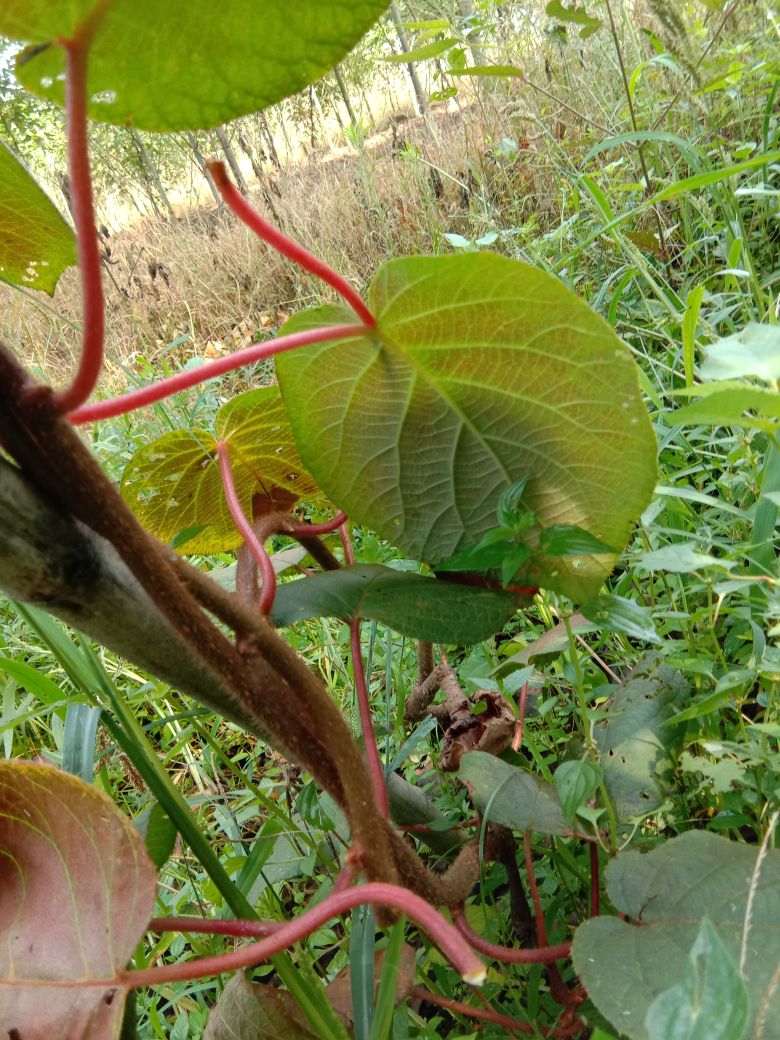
(666,894)
(175,482)
(481,371)
(76,893)
(424,608)
(170,66)
(36,244)
(512,797)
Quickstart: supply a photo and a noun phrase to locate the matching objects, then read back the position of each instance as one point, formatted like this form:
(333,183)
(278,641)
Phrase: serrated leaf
(76,893)
(666,894)
(576,783)
(425,608)
(178,67)
(616,614)
(481,370)
(174,483)
(512,797)
(568,540)
(36,243)
(636,750)
(711,1002)
(754,351)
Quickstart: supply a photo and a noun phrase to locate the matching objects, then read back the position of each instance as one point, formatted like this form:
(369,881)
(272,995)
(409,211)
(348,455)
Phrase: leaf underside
(175,483)
(76,893)
(482,370)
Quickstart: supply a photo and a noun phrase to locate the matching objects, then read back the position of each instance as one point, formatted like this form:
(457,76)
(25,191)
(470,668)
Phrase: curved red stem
(184,380)
(445,935)
(364,707)
(216,926)
(508,954)
(319,529)
(83,209)
(256,547)
(282,244)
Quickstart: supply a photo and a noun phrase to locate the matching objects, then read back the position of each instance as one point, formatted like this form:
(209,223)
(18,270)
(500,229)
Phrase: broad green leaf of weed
(637,750)
(666,894)
(711,1001)
(512,797)
(755,351)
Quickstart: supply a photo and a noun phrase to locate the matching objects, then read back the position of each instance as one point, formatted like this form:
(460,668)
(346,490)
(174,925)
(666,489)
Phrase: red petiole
(256,547)
(83,208)
(445,935)
(184,380)
(284,245)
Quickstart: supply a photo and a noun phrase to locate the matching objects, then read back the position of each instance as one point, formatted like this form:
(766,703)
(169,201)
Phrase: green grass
(254,838)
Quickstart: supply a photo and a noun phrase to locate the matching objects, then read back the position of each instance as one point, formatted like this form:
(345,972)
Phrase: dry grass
(206,284)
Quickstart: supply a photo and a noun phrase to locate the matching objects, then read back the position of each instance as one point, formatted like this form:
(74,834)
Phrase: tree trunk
(342,85)
(419,95)
(151,171)
(475,40)
(192,141)
(265,132)
(233,163)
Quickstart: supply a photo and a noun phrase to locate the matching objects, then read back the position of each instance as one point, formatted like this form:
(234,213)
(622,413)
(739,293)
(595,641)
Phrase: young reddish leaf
(174,483)
(481,370)
(76,893)
(36,244)
(172,66)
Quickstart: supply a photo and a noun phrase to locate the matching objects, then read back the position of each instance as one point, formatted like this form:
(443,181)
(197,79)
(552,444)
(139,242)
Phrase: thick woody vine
(270,687)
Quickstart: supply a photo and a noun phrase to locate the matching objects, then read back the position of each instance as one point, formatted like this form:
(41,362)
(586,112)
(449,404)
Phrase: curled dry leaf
(491,730)
(76,892)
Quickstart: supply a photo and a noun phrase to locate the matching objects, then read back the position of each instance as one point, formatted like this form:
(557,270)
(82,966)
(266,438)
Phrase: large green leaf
(177,66)
(637,750)
(425,608)
(76,893)
(481,371)
(174,483)
(36,244)
(666,894)
(512,797)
